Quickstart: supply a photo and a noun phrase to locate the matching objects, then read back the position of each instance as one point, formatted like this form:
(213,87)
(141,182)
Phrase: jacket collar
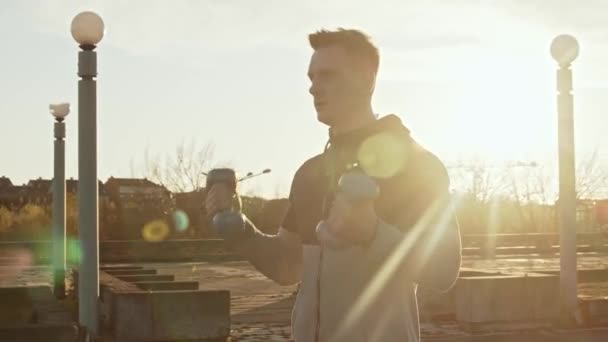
(353,138)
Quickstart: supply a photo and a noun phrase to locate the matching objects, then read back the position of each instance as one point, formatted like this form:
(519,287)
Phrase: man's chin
(324,118)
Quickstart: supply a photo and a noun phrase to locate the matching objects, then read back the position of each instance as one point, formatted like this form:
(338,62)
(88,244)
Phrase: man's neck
(356,120)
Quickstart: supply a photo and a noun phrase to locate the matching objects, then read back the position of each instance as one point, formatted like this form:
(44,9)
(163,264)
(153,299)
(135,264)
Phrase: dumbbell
(357,187)
(229,223)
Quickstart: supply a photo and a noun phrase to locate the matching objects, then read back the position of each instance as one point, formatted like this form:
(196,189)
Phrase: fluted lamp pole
(564,49)
(59,111)
(88,30)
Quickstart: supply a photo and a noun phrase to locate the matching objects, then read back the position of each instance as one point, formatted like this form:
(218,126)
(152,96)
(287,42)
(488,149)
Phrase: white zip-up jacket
(364,293)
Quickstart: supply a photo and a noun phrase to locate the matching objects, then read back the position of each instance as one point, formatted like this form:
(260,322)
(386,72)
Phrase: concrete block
(108,286)
(167,285)
(119,267)
(442,306)
(542,294)
(593,276)
(171,315)
(129,313)
(153,277)
(19,304)
(595,309)
(40,333)
(507,298)
(584,276)
(43,291)
(435,307)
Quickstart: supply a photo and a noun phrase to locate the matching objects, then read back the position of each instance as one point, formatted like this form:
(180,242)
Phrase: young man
(407,237)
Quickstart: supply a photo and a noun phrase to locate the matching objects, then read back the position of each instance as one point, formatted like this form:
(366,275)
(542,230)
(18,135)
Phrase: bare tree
(537,188)
(478,179)
(480,184)
(591,178)
(542,185)
(525,191)
(523,194)
(183,170)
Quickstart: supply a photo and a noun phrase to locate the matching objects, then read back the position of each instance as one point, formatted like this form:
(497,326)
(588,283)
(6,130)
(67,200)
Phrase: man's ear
(372,83)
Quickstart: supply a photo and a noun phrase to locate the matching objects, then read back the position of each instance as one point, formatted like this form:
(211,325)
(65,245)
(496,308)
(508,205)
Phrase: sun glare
(438,216)
(501,87)
(505,110)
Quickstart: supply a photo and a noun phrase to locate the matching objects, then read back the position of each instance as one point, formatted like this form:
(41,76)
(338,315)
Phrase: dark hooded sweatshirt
(366,293)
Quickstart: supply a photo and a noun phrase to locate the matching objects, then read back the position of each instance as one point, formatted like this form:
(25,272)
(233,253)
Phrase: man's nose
(314,89)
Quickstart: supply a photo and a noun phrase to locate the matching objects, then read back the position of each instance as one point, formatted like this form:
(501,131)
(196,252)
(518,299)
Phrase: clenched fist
(355,222)
(219,198)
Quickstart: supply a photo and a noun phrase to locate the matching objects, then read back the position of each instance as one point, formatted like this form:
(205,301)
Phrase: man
(405,238)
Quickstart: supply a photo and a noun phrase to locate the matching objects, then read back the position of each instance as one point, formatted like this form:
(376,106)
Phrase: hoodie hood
(341,151)
(353,138)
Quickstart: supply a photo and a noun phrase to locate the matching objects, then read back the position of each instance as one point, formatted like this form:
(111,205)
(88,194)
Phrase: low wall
(39,252)
(114,251)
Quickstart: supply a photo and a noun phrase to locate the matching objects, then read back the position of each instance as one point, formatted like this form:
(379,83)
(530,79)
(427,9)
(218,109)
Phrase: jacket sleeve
(278,257)
(424,243)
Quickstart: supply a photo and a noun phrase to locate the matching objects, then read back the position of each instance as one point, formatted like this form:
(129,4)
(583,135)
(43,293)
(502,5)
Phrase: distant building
(135,203)
(40,191)
(5,183)
(11,196)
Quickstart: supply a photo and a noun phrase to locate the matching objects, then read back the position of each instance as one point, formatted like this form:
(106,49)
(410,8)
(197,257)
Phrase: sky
(471,79)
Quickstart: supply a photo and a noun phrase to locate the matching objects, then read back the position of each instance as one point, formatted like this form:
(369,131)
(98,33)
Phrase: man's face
(338,84)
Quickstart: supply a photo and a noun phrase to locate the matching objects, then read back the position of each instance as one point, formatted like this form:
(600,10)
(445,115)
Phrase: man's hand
(219,198)
(353,222)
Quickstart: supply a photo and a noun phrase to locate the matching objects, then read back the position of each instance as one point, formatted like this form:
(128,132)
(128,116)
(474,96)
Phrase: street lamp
(251,174)
(247,176)
(564,49)
(59,111)
(87,30)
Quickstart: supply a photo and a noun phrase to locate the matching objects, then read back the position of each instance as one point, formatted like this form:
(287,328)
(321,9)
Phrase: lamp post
(87,30)
(564,50)
(59,111)
(252,175)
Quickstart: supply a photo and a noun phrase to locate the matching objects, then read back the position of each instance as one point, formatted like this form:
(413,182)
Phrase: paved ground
(261,309)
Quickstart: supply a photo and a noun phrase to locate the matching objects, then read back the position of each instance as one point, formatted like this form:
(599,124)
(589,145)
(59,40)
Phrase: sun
(507,104)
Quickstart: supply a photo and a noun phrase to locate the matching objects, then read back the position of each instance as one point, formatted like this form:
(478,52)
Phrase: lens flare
(73,252)
(155,231)
(439,215)
(181,220)
(383,155)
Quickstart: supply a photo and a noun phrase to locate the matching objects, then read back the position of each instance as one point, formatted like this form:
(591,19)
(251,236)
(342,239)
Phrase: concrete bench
(132,314)
(442,306)
(529,299)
